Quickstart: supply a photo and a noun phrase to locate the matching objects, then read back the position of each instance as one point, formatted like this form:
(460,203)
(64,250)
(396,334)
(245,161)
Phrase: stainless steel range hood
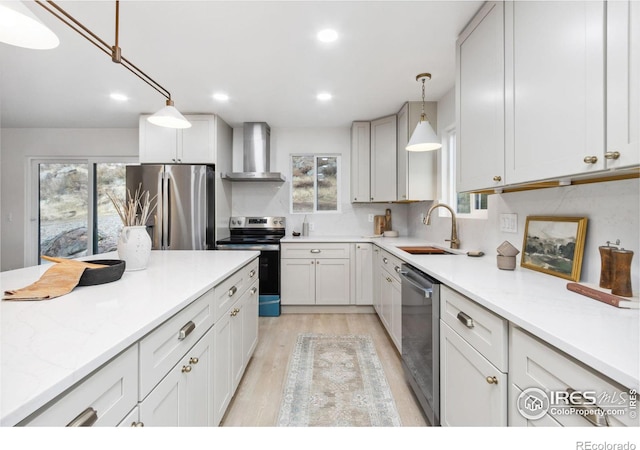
(256,154)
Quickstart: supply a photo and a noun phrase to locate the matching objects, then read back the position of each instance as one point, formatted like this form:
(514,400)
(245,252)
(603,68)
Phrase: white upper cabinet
(417,171)
(195,145)
(360,162)
(480,101)
(555,89)
(383,159)
(623,84)
(547,91)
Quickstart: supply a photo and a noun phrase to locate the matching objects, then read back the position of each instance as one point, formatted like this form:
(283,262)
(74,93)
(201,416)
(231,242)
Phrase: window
(73,215)
(315,183)
(470,206)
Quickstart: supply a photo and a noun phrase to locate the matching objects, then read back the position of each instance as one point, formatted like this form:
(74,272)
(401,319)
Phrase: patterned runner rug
(336,381)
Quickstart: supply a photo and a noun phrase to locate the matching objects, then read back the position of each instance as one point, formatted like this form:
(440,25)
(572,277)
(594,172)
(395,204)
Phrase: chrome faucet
(455,242)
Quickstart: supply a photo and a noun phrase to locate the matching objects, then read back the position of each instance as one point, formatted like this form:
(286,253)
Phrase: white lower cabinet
(558,389)
(236,337)
(184,397)
(473,392)
(389,297)
(362,276)
(473,363)
(316,274)
(102,399)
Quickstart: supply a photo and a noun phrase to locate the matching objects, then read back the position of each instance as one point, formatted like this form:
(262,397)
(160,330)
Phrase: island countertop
(47,346)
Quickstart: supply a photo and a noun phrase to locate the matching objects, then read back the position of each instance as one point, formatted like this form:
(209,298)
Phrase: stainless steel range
(262,234)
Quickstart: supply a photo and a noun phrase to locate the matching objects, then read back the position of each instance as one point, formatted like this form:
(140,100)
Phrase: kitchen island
(46,347)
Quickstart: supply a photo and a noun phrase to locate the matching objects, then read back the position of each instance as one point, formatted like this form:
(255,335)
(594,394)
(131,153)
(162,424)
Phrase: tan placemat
(60,279)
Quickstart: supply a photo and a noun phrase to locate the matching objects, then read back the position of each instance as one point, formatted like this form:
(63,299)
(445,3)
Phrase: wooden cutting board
(59,279)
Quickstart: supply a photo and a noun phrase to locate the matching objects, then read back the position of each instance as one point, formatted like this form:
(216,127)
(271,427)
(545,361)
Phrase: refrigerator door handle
(168,212)
(158,231)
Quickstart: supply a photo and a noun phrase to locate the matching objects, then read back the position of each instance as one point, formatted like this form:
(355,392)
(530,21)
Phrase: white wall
(612,209)
(17,145)
(273,199)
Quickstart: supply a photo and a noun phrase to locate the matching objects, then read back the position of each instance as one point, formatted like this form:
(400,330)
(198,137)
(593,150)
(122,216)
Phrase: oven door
(268,264)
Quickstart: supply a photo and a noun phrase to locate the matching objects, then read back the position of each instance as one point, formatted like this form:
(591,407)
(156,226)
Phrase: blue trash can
(269,306)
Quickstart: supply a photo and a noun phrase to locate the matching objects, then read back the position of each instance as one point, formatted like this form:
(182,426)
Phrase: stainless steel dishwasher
(421,338)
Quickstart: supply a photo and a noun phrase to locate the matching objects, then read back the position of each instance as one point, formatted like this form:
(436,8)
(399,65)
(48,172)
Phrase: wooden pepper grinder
(606,265)
(621,267)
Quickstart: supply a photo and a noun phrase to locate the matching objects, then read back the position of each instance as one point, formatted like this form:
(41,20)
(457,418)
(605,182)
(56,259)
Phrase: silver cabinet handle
(232,291)
(137,424)
(85,419)
(465,319)
(590,159)
(385,260)
(186,330)
(593,413)
(194,360)
(315,250)
(254,290)
(252,273)
(492,380)
(612,155)
(397,269)
(186,369)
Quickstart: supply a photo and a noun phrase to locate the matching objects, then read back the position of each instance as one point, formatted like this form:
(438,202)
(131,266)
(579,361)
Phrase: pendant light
(168,116)
(20,27)
(423,139)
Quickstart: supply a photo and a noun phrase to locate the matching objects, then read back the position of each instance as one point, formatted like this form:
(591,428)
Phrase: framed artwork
(554,245)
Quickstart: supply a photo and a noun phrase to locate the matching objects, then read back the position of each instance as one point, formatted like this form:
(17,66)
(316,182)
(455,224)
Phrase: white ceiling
(263,54)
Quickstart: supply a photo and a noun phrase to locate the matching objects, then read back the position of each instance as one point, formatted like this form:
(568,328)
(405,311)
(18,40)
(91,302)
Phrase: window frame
(315,156)
(448,170)
(32,244)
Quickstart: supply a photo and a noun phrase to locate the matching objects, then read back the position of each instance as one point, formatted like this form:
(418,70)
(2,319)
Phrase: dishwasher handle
(428,291)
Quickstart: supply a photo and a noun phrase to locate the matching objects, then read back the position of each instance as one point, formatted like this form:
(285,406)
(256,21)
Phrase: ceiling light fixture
(324,96)
(118,97)
(423,139)
(221,97)
(327,35)
(168,116)
(20,27)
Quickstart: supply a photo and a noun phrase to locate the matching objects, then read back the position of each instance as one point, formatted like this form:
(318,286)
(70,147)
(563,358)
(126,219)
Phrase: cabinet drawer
(111,392)
(390,263)
(161,349)
(231,289)
(484,330)
(316,250)
(535,364)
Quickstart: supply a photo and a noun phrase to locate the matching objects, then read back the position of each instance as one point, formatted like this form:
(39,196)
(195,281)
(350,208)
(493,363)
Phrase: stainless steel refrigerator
(184,216)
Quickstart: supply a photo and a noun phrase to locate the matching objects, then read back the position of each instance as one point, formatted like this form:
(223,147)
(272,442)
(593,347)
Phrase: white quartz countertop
(47,346)
(602,336)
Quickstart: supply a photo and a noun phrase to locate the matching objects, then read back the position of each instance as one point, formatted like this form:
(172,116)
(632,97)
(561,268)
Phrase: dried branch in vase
(136,209)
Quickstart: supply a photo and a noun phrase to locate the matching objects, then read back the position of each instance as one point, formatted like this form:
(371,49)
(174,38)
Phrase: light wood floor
(257,399)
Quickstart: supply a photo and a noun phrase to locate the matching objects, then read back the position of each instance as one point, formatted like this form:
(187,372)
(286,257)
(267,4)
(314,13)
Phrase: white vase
(134,247)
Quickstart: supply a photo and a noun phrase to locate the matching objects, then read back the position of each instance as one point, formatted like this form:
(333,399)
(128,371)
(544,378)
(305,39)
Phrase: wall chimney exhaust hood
(256,154)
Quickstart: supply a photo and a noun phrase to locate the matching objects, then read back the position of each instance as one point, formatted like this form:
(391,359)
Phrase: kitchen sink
(425,250)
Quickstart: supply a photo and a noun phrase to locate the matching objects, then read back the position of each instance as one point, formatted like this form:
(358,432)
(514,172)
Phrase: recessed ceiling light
(324,96)
(119,97)
(327,35)
(221,97)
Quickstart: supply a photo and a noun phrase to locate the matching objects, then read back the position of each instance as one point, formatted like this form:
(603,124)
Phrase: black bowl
(113,272)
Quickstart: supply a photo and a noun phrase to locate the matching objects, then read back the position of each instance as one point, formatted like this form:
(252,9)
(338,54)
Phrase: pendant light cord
(423,116)
(114,51)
